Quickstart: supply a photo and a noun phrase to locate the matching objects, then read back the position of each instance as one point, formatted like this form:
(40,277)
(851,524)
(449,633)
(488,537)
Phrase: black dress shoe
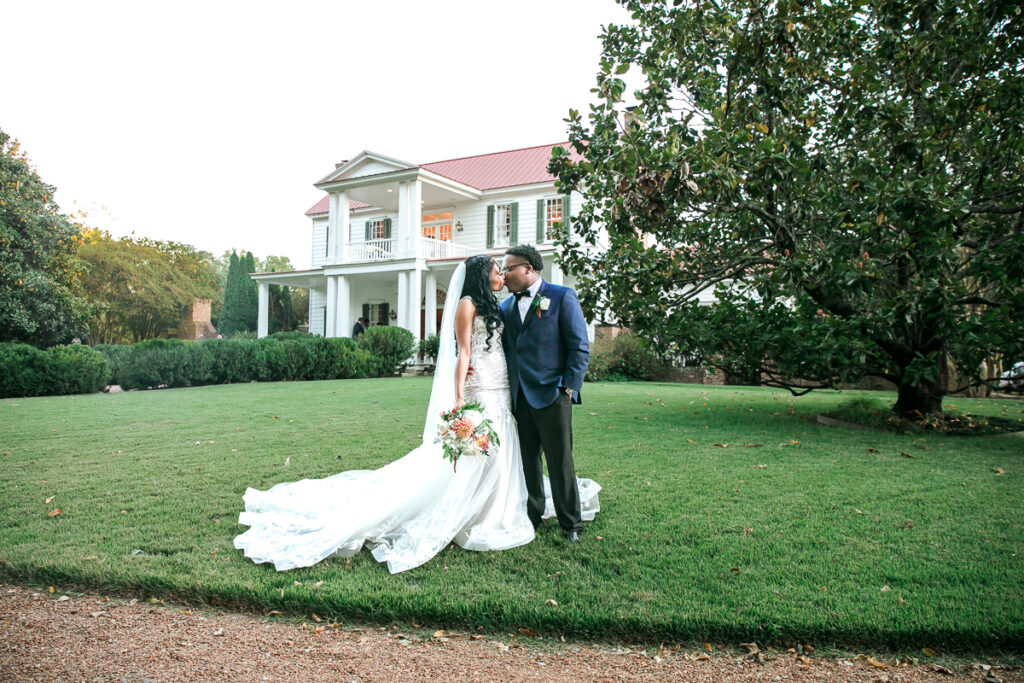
(571,535)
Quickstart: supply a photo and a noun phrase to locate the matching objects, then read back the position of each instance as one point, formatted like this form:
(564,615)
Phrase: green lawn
(815,534)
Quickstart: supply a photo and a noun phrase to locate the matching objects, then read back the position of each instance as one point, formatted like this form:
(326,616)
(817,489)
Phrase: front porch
(406,292)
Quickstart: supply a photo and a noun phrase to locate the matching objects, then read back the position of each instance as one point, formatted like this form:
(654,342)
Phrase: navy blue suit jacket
(547,351)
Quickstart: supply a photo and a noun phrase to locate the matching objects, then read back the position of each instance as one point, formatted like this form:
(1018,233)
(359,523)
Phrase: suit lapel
(531,312)
(512,316)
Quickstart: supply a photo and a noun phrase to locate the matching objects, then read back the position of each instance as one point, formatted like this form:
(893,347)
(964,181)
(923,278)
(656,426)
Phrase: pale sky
(208,122)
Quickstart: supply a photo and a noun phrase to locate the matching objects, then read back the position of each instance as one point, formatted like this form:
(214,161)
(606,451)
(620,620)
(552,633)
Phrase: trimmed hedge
(284,356)
(281,357)
(73,369)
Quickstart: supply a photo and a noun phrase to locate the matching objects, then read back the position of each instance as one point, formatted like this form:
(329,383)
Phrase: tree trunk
(915,402)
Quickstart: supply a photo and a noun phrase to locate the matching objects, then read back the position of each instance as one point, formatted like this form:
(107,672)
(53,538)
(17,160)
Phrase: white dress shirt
(524,302)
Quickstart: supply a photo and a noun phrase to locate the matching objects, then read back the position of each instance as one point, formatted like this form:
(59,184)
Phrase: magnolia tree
(845,177)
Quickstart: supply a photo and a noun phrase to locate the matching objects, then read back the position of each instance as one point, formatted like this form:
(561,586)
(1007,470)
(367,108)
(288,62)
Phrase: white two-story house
(388,234)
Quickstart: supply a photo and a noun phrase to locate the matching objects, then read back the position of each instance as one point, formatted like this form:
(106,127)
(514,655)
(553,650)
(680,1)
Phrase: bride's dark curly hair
(478,287)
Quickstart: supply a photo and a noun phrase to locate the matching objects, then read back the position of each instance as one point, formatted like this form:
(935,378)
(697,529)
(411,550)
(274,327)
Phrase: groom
(547,352)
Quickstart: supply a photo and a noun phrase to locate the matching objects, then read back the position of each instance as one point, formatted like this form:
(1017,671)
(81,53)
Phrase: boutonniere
(543,304)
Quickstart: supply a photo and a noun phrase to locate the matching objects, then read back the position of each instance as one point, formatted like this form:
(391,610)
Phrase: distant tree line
(60,280)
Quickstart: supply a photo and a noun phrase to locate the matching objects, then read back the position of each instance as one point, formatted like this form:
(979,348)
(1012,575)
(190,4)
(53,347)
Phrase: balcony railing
(372,250)
(431,248)
(388,249)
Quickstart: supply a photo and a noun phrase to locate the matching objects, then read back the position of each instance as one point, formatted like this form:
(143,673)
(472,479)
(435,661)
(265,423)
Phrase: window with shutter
(502,228)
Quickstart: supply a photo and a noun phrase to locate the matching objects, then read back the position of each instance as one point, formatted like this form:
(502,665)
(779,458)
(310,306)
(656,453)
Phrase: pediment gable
(365,164)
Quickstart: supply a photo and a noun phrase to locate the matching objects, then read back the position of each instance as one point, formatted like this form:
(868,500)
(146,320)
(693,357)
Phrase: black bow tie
(520,295)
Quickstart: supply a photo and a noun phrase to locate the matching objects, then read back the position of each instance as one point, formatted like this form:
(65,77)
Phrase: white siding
(317,301)
(319,246)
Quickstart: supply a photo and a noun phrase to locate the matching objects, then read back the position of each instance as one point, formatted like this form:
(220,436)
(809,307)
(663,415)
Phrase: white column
(430,308)
(263,315)
(415,222)
(401,237)
(403,299)
(415,294)
(341,243)
(344,308)
(334,212)
(332,306)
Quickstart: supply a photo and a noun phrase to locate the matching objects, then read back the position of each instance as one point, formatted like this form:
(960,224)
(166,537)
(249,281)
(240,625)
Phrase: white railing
(385,250)
(371,250)
(431,248)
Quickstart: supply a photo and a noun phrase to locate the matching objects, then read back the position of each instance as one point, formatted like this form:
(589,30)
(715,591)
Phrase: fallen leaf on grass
(707,646)
(905,454)
(415,625)
(475,637)
(156,601)
(438,634)
(54,513)
(872,450)
(47,501)
(90,557)
(528,633)
(287,461)
(760,467)
(886,589)
(273,612)
(752,445)
(997,470)
(928,652)
(721,445)
(315,618)
(875,663)
(551,602)
(692,442)
(702,657)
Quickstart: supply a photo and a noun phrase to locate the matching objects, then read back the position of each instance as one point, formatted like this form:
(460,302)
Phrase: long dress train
(410,509)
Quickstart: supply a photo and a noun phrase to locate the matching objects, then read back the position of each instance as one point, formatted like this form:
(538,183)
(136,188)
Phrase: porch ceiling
(384,195)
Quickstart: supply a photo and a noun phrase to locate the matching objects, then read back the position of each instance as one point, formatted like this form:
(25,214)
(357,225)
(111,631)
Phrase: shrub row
(624,358)
(28,371)
(284,356)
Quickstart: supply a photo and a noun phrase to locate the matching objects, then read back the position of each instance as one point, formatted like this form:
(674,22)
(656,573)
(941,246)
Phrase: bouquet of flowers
(465,431)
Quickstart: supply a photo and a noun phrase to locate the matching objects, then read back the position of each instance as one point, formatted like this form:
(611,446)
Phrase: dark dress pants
(549,429)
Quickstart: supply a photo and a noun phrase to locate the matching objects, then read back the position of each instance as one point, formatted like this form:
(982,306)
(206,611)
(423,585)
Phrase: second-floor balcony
(389,249)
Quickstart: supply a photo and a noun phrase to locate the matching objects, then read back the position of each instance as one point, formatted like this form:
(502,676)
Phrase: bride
(409,510)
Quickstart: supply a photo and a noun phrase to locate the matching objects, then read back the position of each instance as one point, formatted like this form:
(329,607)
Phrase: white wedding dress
(409,510)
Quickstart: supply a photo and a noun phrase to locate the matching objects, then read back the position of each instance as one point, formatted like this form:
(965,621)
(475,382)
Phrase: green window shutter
(385,314)
(366,311)
(387,228)
(540,221)
(513,237)
(566,218)
(367,238)
(327,242)
(490,227)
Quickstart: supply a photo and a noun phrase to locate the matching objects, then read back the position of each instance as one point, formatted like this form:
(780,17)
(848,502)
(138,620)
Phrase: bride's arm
(464,340)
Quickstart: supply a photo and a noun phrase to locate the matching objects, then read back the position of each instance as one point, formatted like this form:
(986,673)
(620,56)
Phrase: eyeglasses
(504,271)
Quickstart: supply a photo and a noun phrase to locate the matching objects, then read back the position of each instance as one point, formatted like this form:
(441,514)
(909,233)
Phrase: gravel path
(74,637)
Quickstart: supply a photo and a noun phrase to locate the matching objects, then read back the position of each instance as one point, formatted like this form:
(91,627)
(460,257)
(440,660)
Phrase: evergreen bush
(624,358)
(390,348)
(23,371)
(76,369)
(71,369)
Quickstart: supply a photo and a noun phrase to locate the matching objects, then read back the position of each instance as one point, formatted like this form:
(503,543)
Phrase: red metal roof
(488,171)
